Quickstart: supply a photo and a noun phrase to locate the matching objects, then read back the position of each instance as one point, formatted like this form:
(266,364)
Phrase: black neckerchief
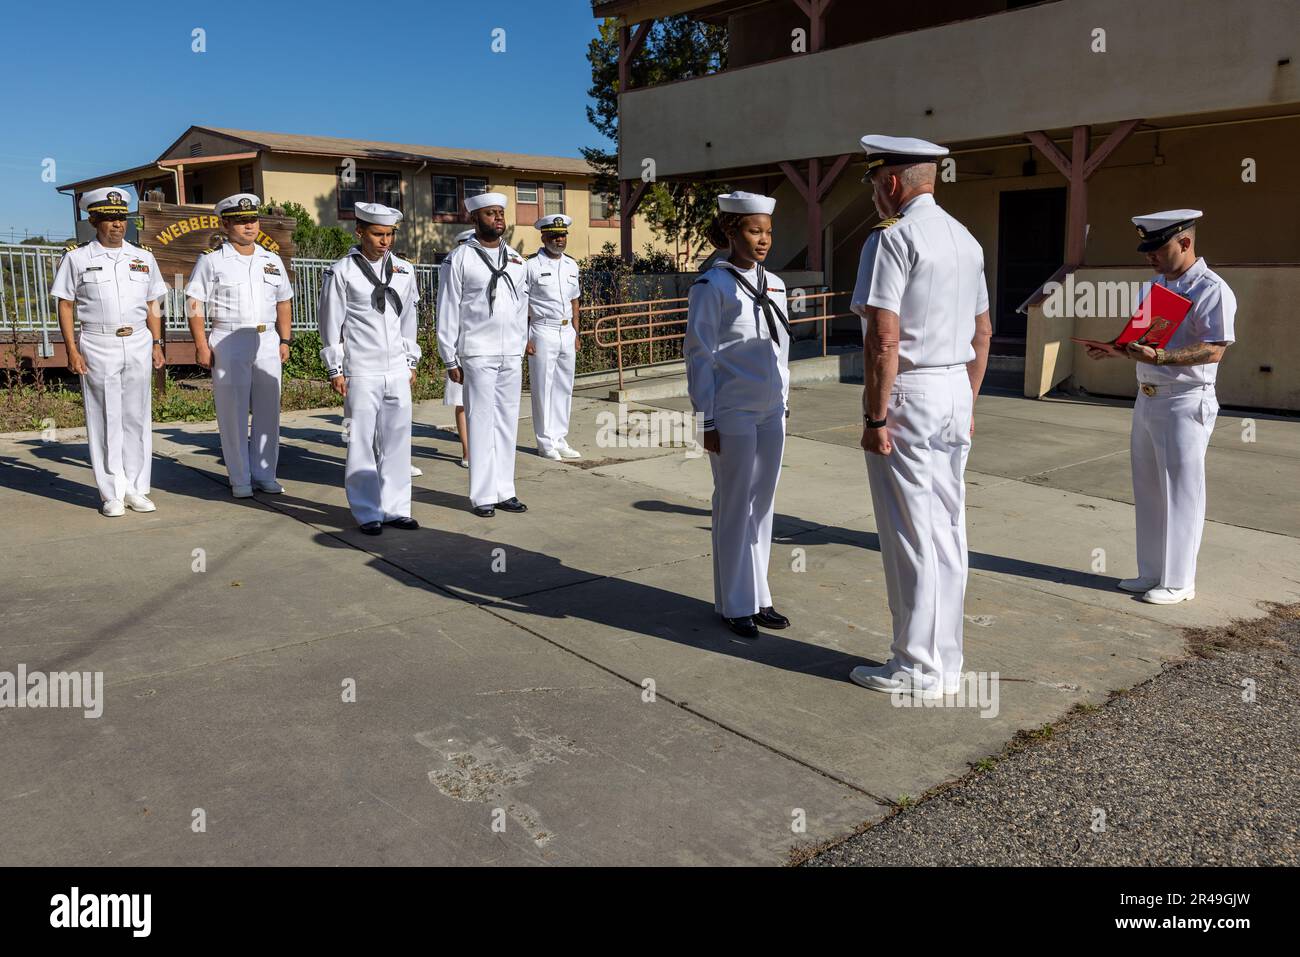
(383,290)
(763,300)
(497,271)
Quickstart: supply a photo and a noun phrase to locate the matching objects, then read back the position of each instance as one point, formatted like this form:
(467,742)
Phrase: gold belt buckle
(1148,389)
(124,331)
(261,328)
(564,322)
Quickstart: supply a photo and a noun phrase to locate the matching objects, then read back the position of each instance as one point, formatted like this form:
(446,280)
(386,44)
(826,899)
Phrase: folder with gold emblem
(1153,324)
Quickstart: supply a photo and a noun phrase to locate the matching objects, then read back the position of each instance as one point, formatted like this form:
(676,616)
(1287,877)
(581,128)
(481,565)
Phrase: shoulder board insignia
(206,251)
(700,280)
(74,245)
(328,272)
(533,255)
(147,249)
(886,223)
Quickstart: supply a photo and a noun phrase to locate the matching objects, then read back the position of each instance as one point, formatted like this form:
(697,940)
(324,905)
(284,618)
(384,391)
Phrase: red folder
(1157,319)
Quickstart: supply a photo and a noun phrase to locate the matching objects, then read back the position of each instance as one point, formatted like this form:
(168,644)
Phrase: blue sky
(422,71)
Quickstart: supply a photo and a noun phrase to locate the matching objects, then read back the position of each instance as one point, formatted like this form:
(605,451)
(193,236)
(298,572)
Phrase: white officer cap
(554,223)
(241,204)
(1156,229)
(485,199)
(377,214)
(109,201)
(742,202)
(898,151)
(464,236)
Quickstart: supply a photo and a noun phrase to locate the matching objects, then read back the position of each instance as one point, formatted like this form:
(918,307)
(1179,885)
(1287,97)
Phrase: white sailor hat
(241,204)
(554,223)
(898,151)
(485,199)
(109,201)
(1156,229)
(464,236)
(742,202)
(376,214)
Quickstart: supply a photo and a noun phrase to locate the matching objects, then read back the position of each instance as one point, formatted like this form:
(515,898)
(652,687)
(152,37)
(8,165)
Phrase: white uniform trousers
(492,386)
(378,475)
(115,391)
(246,373)
(919,497)
(1167,452)
(550,376)
(744,495)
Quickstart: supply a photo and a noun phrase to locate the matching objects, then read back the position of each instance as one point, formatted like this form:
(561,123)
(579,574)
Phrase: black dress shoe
(744,627)
(512,504)
(484,511)
(405,524)
(372,528)
(769,617)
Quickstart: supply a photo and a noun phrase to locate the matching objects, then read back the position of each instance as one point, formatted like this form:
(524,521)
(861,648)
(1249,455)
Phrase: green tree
(677,48)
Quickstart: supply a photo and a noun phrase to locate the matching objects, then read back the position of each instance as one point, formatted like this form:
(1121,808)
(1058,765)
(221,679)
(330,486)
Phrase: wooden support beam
(1108,146)
(630,192)
(630,40)
(813,189)
(815,11)
(1078,169)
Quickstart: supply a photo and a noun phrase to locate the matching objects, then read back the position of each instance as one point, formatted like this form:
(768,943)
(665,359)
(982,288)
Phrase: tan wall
(1266,298)
(1201,168)
(311,182)
(1000,75)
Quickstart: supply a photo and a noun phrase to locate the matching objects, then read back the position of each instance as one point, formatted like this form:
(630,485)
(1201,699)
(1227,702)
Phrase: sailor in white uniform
(553,292)
(453,393)
(1173,418)
(115,287)
(246,291)
(482,332)
(925,309)
(737,352)
(367,318)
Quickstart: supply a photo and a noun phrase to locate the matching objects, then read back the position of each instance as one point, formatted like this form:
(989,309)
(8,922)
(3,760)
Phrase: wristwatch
(158,342)
(873,423)
(1160,357)
(286,342)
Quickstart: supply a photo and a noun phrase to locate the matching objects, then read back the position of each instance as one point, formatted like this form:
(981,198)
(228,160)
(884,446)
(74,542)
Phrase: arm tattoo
(1195,354)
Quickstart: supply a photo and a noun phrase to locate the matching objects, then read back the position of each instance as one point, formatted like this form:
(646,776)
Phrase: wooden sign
(177,235)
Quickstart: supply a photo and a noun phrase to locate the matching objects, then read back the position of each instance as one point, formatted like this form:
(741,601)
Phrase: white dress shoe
(139,503)
(952,683)
(1138,585)
(550,454)
(568,453)
(416,471)
(464,463)
(241,491)
(886,679)
(113,508)
(1169,596)
(271,487)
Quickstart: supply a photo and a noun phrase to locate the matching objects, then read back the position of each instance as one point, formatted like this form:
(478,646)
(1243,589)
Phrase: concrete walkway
(553,687)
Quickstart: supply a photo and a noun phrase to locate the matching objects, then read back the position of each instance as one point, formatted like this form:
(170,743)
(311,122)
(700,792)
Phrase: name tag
(93,268)
(271,269)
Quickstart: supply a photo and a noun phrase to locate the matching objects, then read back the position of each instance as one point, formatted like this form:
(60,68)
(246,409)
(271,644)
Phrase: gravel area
(1183,770)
